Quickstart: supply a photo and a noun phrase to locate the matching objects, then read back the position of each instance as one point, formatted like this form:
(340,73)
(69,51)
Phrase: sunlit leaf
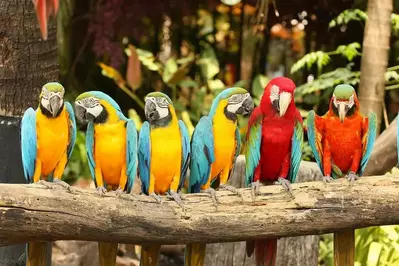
(216,84)
(208,63)
(112,73)
(320,58)
(258,85)
(133,71)
(148,59)
(374,254)
(348,15)
(349,51)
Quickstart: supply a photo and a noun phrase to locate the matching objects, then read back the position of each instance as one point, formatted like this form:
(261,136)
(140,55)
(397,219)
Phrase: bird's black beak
(81,113)
(150,110)
(246,107)
(55,105)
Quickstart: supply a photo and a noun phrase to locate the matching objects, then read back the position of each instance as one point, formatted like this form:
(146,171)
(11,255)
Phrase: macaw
(48,137)
(215,146)
(111,143)
(164,154)
(274,150)
(45,9)
(342,141)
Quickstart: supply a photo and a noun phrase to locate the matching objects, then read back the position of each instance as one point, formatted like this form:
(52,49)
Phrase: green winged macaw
(111,143)
(215,146)
(48,137)
(164,154)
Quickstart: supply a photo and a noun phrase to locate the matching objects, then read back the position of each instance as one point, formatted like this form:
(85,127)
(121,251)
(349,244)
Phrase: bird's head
(95,106)
(344,101)
(279,93)
(235,100)
(52,99)
(158,108)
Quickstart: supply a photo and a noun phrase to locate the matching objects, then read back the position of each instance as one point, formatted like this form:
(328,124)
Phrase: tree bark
(26,63)
(375,57)
(302,250)
(35,213)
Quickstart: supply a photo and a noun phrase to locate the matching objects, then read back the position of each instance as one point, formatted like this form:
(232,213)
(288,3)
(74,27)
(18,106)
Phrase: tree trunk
(375,57)
(26,63)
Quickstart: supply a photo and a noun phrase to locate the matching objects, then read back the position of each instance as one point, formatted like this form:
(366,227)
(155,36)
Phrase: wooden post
(302,250)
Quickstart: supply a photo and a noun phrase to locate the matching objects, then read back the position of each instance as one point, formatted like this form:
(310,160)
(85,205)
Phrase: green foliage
(348,15)
(349,51)
(395,23)
(78,166)
(320,58)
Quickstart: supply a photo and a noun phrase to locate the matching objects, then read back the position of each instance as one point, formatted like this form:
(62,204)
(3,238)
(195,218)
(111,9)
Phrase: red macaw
(44,9)
(274,150)
(341,142)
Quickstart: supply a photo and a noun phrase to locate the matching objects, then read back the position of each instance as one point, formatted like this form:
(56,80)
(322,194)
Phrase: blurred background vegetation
(192,50)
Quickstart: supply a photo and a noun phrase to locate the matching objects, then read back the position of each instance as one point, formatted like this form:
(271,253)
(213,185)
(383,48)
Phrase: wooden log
(302,250)
(35,213)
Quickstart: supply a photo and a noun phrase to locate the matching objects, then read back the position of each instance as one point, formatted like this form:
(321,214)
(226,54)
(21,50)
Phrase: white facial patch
(235,101)
(349,103)
(92,105)
(47,95)
(162,106)
(274,93)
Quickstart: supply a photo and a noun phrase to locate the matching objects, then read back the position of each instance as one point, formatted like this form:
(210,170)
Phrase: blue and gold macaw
(47,139)
(164,153)
(111,142)
(215,146)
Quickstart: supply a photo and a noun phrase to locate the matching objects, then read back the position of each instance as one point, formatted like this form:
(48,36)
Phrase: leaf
(348,15)
(319,57)
(216,84)
(188,83)
(391,76)
(390,232)
(148,60)
(208,62)
(258,85)
(173,74)
(241,84)
(112,73)
(133,71)
(185,60)
(349,51)
(374,254)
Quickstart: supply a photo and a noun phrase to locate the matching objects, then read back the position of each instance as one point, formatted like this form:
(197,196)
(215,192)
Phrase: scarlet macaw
(274,150)
(45,9)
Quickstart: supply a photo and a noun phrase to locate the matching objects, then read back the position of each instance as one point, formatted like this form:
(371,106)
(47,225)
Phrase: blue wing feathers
(72,128)
(202,154)
(185,152)
(372,133)
(90,149)
(312,138)
(144,156)
(252,152)
(296,151)
(28,143)
(131,154)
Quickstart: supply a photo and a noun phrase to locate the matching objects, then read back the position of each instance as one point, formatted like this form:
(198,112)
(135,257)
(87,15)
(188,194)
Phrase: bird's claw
(255,189)
(101,190)
(119,192)
(327,179)
(212,193)
(284,182)
(45,183)
(156,197)
(352,177)
(229,188)
(62,184)
(176,197)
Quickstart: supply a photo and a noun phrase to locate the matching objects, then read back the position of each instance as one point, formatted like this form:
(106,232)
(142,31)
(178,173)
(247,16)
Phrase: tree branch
(35,213)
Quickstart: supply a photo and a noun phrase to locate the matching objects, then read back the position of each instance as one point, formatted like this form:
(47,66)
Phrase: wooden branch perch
(35,213)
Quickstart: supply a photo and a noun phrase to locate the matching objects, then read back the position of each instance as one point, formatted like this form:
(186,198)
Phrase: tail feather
(149,255)
(265,252)
(107,253)
(195,255)
(36,254)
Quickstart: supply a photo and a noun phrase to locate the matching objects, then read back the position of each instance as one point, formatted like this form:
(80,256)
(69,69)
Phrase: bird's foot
(231,188)
(101,190)
(176,197)
(255,189)
(352,177)
(119,192)
(327,179)
(63,184)
(156,197)
(45,183)
(212,193)
(284,182)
